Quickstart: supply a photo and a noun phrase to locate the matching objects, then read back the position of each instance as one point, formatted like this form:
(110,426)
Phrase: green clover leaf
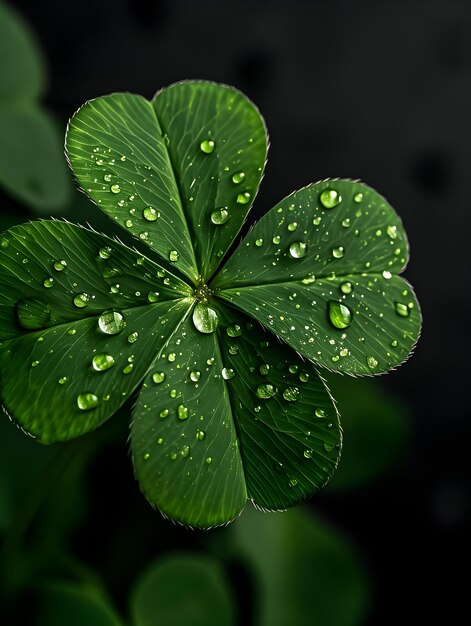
(231,404)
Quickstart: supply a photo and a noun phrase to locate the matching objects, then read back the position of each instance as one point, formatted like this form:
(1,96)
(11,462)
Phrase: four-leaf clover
(224,354)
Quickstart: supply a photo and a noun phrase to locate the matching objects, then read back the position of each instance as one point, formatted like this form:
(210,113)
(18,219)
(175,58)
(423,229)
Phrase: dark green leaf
(65,603)
(183,590)
(231,415)
(147,166)
(307,574)
(64,368)
(324,279)
(32,166)
(22,71)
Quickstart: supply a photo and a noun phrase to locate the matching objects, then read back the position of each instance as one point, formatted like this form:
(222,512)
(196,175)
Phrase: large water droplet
(220,216)
(111,322)
(297,249)
(207,146)
(227,373)
(33,313)
(150,214)
(402,309)
(339,314)
(205,318)
(102,362)
(182,412)
(87,401)
(329,198)
(265,391)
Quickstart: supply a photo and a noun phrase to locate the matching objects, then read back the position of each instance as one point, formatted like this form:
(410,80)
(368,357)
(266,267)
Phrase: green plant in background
(226,411)
(31,161)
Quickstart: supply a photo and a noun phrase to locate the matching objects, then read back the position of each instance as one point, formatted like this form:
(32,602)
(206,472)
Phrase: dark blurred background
(379,91)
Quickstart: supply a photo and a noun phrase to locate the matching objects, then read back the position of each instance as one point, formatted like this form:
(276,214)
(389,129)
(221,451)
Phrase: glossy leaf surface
(324,279)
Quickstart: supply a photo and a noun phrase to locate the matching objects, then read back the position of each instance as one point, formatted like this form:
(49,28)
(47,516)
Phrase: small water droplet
(35,364)
(173,256)
(243,198)
(265,391)
(387,275)
(205,319)
(227,373)
(304,377)
(182,412)
(297,249)
(392,231)
(160,441)
(128,223)
(346,287)
(195,375)
(264,369)
(150,214)
(184,452)
(220,216)
(328,447)
(259,243)
(307,454)
(238,177)
(317,220)
(111,322)
(358,197)
(115,188)
(133,337)
(48,282)
(207,146)
(87,401)
(276,239)
(200,435)
(146,456)
(105,253)
(81,300)
(338,252)
(234,330)
(329,198)
(402,309)
(394,343)
(291,394)
(62,380)
(164,413)
(33,313)
(59,266)
(128,369)
(319,413)
(153,296)
(293,482)
(339,314)
(102,362)
(292,226)
(371,362)
(208,460)
(346,222)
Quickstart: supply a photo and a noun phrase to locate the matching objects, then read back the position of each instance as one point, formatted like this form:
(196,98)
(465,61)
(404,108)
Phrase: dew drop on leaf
(164,413)
(111,322)
(195,375)
(133,337)
(259,243)
(182,412)
(87,401)
(307,454)
(200,435)
(102,362)
(105,252)
(220,216)
(243,198)
(173,256)
(291,394)
(150,214)
(208,460)
(238,177)
(158,377)
(329,198)
(264,369)
(392,232)
(115,188)
(346,287)
(205,319)
(33,313)
(185,451)
(358,197)
(265,391)
(338,253)
(402,309)
(319,412)
(48,282)
(339,314)
(297,249)
(207,146)
(153,296)
(292,226)
(328,447)
(81,300)
(234,330)
(371,362)
(346,222)
(59,266)
(276,239)
(387,275)
(227,373)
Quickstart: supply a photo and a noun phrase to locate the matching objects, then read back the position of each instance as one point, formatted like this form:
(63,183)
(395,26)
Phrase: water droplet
(87,401)
(128,369)
(153,296)
(264,369)
(387,275)
(205,318)
(346,222)
(164,413)
(227,373)
(328,447)
(394,343)
(150,214)
(35,364)
(220,216)
(33,313)
(105,253)
(259,243)
(111,322)
(265,391)
(392,231)
(297,249)
(291,394)
(339,314)
(346,287)
(319,413)
(293,369)
(114,288)
(402,309)
(307,454)
(234,330)
(160,441)
(358,197)
(195,375)
(371,362)
(329,198)
(338,253)
(115,188)
(317,220)
(48,282)
(303,377)
(146,456)
(107,178)
(171,357)
(102,362)
(62,380)
(59,266)
(238,177)
(184,452)
(207,146)
(81,300)
(293,482)
(200,435)
(233,349)
(182,412)
(243,198)
(133,337)
(128,223)
(293,226)
(276,239)
(173,256)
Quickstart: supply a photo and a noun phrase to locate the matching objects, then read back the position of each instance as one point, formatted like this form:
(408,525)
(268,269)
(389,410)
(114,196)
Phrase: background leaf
(305,573)
(183,590)
(322,278)
(144,165)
